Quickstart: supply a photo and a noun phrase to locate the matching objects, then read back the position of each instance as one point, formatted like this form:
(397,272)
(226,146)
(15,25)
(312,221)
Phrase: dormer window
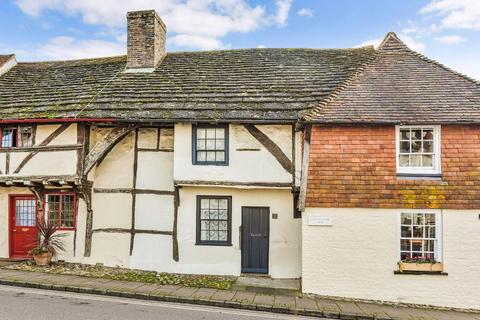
(210,144)
(418,150)
(18,136)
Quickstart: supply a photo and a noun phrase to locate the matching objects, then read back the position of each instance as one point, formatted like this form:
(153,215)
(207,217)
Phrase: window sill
(430,273)
(210,164)
(221,244)
(429,176)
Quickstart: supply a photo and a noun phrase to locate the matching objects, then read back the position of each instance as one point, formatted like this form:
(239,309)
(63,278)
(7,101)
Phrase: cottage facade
(394,167)
(246,161)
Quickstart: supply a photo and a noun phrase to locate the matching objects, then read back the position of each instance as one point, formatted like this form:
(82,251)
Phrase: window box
(420,267)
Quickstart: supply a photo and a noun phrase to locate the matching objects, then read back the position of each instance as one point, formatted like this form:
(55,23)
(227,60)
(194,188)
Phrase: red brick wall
(354,166)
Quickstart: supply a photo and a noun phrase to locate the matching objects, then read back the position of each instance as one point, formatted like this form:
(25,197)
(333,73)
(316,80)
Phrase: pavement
(235,299)
(28,304)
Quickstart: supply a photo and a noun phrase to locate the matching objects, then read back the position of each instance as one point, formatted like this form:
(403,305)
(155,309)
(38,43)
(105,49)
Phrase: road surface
(24,303)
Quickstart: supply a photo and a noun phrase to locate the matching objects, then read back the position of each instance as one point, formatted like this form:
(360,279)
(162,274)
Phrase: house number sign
(319,220)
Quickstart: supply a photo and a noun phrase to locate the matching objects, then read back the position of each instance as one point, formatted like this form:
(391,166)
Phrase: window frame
(60,194)
(438,253)
(194,144)
(199,241)
(17,137)
(437,162)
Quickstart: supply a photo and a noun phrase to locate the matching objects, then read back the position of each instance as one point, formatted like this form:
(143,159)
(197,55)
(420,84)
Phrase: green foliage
(98,271)
(51,241)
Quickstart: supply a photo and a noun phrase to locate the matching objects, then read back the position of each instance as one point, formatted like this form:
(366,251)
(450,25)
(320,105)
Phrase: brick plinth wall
(354,166)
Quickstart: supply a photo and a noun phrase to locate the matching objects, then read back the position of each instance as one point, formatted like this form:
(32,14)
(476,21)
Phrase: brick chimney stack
(146,39)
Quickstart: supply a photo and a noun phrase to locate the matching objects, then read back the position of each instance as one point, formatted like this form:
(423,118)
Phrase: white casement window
(420,236)
(418,149)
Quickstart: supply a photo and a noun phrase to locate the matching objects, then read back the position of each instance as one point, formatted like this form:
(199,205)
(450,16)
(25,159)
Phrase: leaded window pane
(210,145)
(60,210)
(214,219)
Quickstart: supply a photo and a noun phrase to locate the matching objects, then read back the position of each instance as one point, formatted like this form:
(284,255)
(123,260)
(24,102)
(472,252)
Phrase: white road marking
(161,304)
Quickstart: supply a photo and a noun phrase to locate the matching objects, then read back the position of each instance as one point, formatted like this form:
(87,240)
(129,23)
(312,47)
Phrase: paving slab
(327,305)
(284,301)
(372,309)
(224,295)
(204,293)
(243,296)
(184,292)
(264,300)
(306,303)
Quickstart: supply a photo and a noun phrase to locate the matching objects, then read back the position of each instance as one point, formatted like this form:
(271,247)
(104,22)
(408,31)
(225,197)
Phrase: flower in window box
(420,264)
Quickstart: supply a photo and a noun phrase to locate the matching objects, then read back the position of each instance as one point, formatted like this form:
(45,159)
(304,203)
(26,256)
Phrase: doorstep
(296,305)
(267,285)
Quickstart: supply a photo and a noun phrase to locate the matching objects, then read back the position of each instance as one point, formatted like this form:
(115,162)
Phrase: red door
(23,225)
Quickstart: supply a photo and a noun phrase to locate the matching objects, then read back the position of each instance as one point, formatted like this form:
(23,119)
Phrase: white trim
(438,230)
(437,163)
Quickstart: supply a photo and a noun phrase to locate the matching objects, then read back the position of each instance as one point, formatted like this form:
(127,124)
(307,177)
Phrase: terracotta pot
(43,259)
(421,267)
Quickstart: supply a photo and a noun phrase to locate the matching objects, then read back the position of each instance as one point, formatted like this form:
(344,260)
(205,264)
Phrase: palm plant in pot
(51,243)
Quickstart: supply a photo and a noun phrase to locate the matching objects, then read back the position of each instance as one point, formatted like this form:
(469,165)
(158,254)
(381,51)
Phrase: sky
(445,30)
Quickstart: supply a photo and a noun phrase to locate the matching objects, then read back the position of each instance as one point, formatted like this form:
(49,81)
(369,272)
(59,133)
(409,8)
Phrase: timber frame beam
(103,147)
(271,146)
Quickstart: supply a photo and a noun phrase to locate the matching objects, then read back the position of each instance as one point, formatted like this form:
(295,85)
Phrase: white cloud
(60,48)
(192,41)
(412,43)
(261,46)
(305,12)
(205,21)
(456,14)
(283,8)
(371,42)
(452,39)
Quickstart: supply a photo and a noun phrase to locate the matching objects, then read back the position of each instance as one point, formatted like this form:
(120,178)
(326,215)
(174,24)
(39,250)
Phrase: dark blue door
(255,239)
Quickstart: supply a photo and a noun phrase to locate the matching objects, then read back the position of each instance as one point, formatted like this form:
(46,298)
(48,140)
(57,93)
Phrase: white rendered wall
(244,166)
(284,257)
(356,257)
(49,163)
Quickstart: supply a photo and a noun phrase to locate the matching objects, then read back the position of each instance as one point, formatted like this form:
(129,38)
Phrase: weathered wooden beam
(271,146)
(49,148)
(233,183)
(304,177)
(131,190)
(45,142)
(175,223)
(132,231)
(134,186)
(103,147)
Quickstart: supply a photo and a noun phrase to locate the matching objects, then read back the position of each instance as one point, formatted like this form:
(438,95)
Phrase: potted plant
(51,243)
(420,264)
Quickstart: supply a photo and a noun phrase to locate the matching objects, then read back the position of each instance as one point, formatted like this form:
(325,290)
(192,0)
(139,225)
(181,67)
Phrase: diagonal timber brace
(103,147)
(271,146)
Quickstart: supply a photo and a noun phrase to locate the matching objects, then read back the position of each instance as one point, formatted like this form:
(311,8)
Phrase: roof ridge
(266,49)
(308,114)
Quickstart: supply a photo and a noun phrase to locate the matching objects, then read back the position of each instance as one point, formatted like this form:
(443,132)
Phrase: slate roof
(247,84)
(401,86)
